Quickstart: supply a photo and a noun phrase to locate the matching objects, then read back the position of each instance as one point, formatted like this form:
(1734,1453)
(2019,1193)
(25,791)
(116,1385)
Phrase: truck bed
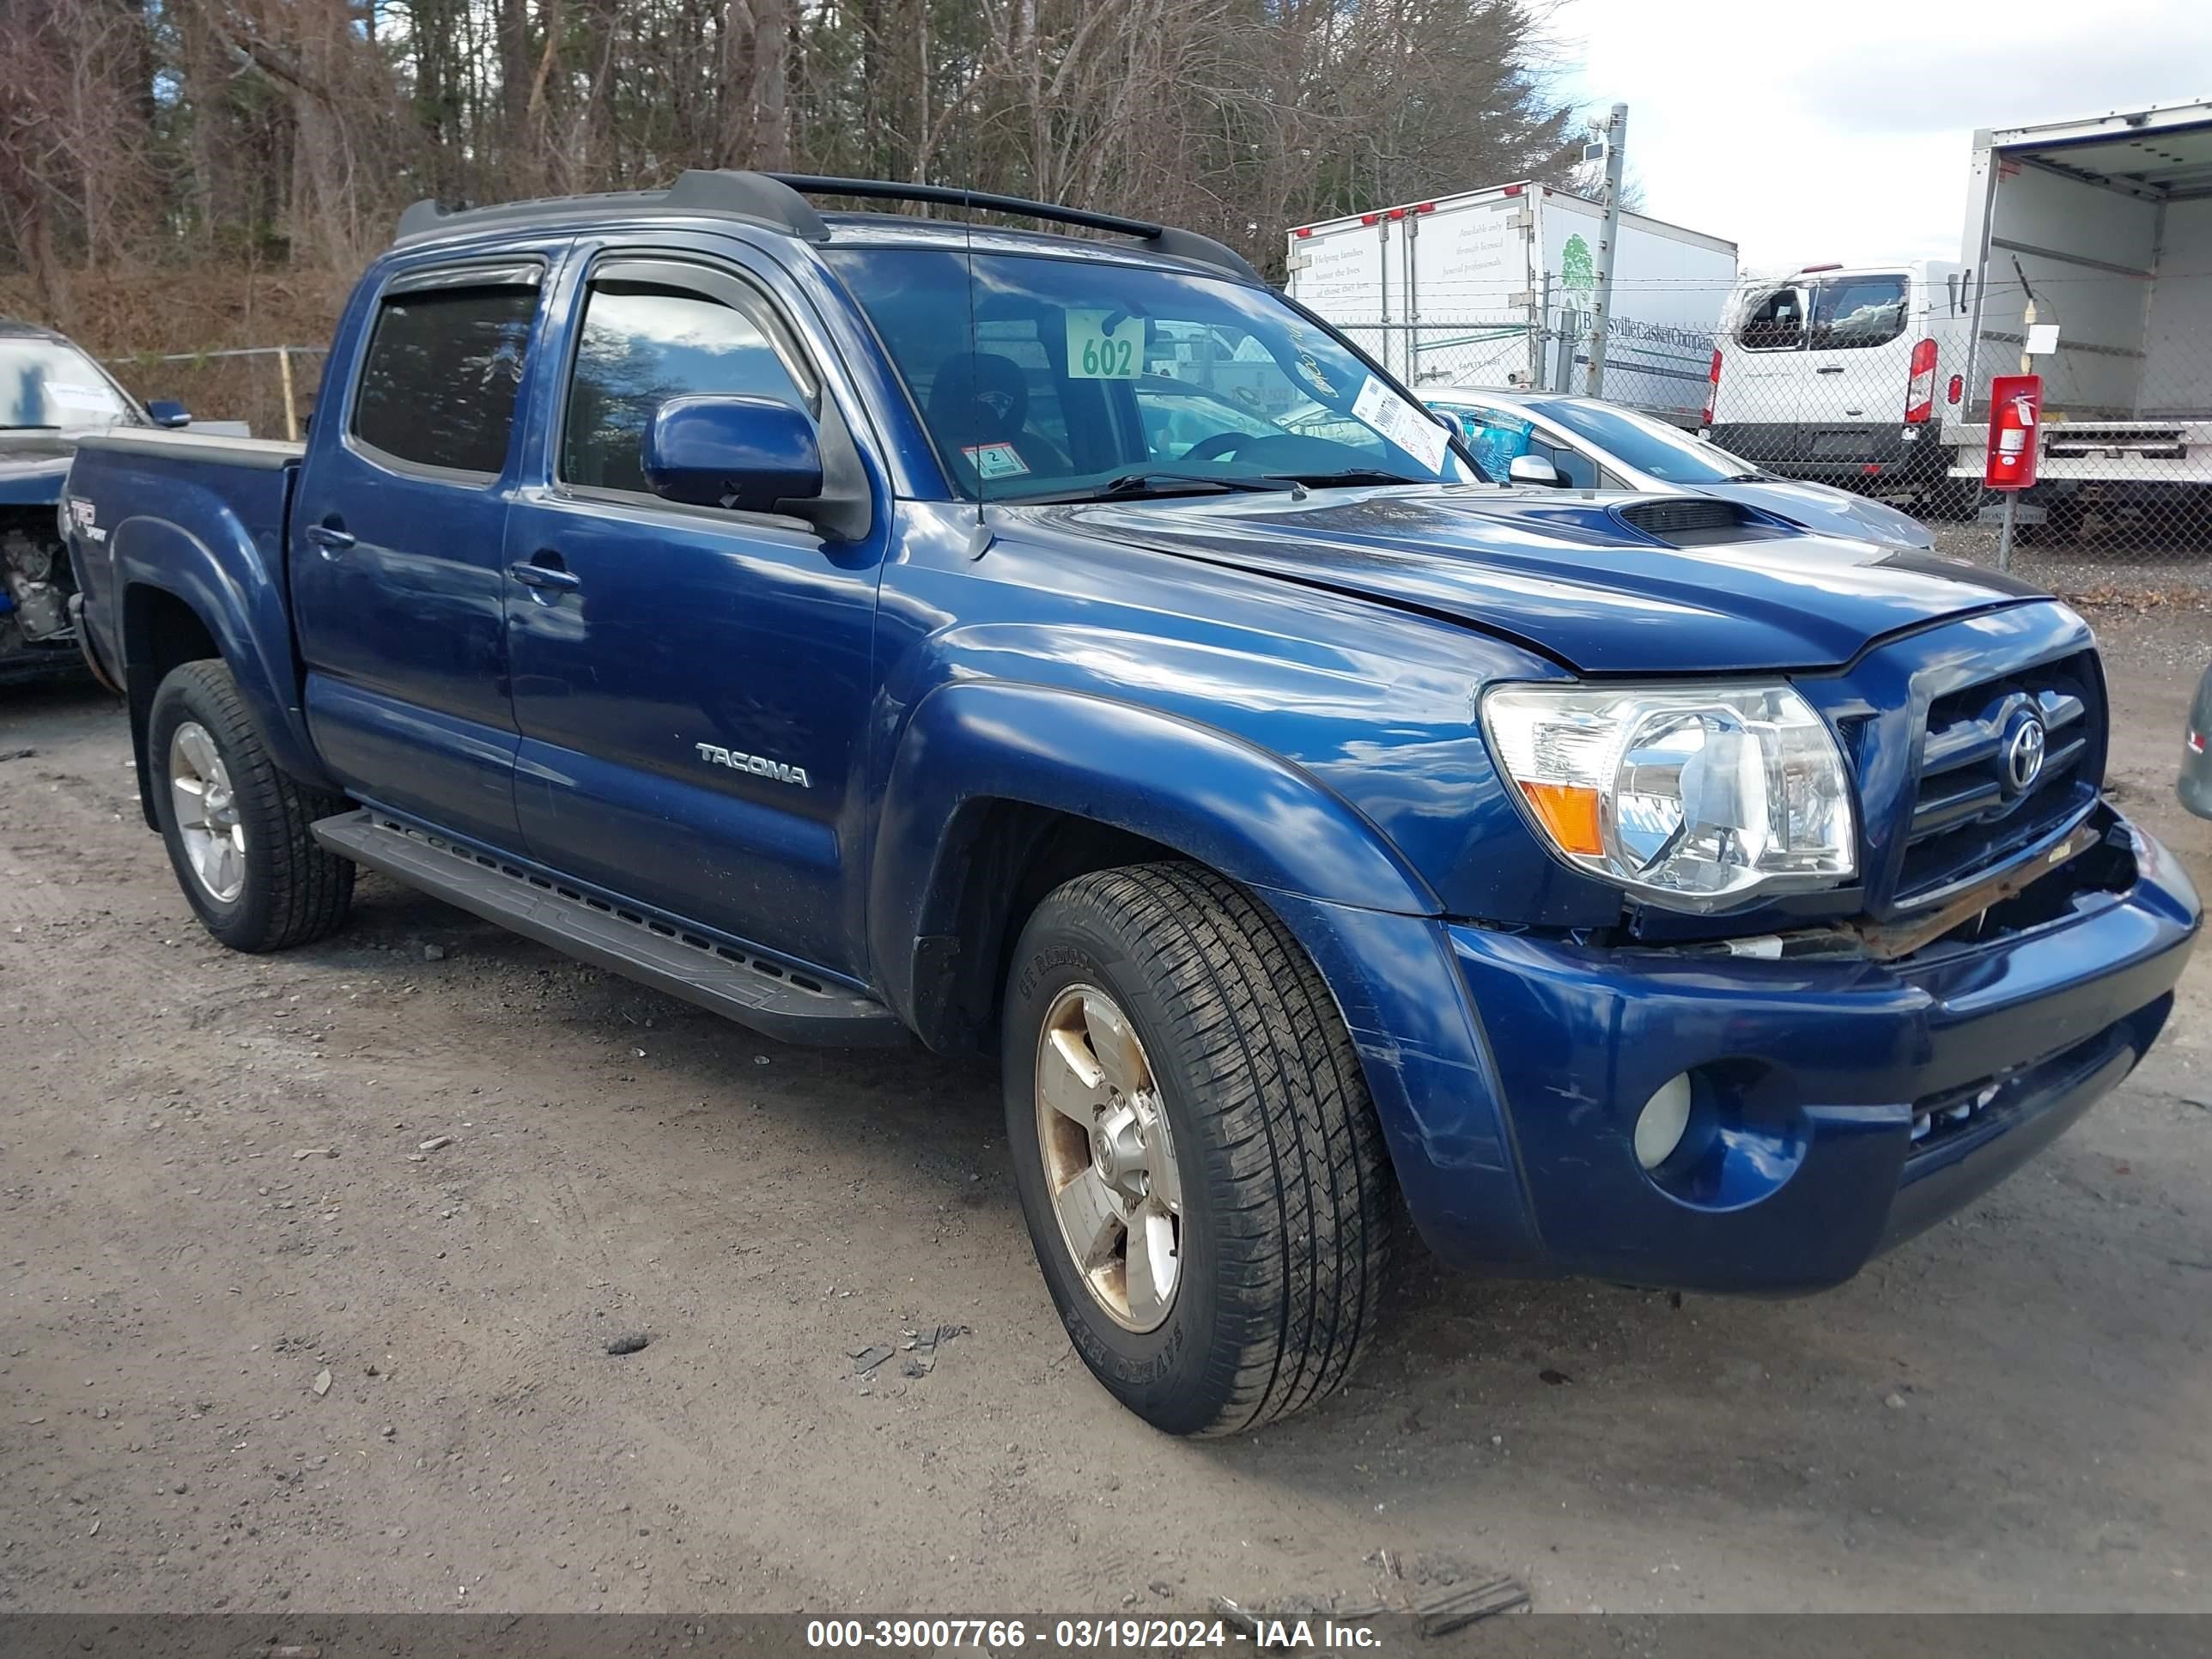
(206,512)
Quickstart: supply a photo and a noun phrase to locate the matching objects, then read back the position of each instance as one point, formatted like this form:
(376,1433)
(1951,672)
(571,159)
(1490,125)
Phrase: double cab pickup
(887,628)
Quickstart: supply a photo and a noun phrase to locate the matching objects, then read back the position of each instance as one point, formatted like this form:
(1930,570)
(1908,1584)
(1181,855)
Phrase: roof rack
(774,199)
(752,196)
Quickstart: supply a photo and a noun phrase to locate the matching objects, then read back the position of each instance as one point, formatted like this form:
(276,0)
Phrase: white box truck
(2104,226)
(1879,375)
(1495,288)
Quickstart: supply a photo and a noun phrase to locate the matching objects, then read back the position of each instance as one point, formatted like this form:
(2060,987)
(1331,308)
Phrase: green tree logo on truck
(1577,273)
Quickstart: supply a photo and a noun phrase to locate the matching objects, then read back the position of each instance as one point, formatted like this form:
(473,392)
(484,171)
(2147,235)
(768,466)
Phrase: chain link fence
(1659,368)
(1876,382)
(1880,383)
(270,389)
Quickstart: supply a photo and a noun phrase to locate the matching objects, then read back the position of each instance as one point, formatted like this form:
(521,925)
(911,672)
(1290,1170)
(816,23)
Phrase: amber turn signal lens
(1569,813)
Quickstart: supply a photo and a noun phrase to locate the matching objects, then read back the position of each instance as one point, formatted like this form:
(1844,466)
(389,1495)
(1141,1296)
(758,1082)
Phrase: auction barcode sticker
(1399,422)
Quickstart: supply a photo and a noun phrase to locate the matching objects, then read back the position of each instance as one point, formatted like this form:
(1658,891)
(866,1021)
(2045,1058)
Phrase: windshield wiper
(1346,476)
(1165,480)
(30,425)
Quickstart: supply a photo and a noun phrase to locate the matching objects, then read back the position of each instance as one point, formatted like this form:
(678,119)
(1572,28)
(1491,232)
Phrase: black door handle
(1831,368)
(546,571)
(330,536)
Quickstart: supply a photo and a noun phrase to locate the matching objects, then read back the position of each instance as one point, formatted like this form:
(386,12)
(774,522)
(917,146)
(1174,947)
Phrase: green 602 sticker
(1096,352)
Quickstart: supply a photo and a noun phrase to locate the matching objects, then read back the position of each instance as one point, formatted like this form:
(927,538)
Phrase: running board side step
(768,996)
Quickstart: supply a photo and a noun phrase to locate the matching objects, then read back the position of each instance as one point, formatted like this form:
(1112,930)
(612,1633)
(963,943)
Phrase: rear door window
(1775,323)
(1858,310)
(438,384)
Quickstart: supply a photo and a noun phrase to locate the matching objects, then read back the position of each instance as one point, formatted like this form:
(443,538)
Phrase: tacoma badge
(760,767)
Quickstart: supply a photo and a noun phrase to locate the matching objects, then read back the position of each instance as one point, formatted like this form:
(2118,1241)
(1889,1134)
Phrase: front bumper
(1811,1076)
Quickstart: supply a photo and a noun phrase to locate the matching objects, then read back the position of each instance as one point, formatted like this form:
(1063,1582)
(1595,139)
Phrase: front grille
(1969,813)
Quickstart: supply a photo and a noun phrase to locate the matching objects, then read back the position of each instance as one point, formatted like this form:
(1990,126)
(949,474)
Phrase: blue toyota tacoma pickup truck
(879,628)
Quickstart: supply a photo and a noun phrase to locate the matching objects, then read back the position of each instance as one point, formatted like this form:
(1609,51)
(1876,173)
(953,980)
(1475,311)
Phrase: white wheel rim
(207,813)
(1109,1164)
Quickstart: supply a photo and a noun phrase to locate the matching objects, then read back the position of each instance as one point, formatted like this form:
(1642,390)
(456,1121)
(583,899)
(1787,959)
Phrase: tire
(1281,1241)
(288,891)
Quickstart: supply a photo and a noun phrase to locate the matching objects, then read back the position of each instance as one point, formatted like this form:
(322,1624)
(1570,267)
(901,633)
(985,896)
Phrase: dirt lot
(213,1195)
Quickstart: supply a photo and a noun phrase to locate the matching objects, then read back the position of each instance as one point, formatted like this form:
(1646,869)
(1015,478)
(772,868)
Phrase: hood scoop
(1698,521)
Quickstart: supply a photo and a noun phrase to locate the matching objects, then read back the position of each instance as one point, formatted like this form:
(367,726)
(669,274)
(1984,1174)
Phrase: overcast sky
(1837,130)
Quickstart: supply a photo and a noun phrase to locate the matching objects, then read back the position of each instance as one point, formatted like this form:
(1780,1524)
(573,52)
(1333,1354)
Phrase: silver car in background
(1585,443)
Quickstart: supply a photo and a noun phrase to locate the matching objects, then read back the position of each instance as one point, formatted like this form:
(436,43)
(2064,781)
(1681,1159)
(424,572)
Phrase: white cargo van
(1835,373)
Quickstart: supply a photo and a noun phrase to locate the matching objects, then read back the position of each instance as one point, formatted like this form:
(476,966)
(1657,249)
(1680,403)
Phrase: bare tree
(271,135)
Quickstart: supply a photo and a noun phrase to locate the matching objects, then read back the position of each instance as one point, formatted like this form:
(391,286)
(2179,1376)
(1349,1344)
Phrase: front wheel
(237,828)
(1197,1157)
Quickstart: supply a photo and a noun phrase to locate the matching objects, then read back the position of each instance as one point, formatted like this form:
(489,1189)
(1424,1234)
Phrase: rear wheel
(236,827)
(1197,1157)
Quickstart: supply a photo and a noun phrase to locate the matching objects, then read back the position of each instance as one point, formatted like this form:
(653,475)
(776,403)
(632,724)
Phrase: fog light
(1659,1126)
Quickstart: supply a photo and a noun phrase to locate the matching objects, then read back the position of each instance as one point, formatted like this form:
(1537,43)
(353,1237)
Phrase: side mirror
(1533,470)
(755,454)
(164,411)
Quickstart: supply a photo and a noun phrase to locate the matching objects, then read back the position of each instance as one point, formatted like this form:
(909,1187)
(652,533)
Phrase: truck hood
(33,465)
(1567,579)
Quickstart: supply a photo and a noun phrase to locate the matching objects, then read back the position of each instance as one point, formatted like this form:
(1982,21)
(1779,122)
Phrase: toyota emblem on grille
(2024,755)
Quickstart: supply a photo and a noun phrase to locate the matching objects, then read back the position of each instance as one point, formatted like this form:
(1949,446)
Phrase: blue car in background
(1585,443)
(52,394)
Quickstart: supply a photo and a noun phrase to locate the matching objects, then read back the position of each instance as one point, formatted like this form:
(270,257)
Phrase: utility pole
(1616,136)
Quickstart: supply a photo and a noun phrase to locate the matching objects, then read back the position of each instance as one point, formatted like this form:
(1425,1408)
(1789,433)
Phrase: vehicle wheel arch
(181,599)
(161,632)
(997,860)
(984,813)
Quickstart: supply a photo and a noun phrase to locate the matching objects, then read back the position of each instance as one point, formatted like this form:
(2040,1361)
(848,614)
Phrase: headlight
(1695,798)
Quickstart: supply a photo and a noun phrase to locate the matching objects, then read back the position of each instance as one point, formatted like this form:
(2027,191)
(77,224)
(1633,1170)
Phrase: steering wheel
(1215,445)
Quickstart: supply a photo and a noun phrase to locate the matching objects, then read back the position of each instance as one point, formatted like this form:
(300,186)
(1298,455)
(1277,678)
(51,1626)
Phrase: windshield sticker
(1399,422)
(995,461)
(75,394)
(1104,345)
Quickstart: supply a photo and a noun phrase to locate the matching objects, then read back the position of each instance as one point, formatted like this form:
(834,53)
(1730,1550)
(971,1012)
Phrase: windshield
(1648,444)
(1083,377)
(46,383)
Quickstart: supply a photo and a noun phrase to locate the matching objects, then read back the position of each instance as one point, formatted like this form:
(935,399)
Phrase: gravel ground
(259,1350)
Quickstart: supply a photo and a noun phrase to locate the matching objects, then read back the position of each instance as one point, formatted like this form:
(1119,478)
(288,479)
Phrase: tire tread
(1304,1216)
